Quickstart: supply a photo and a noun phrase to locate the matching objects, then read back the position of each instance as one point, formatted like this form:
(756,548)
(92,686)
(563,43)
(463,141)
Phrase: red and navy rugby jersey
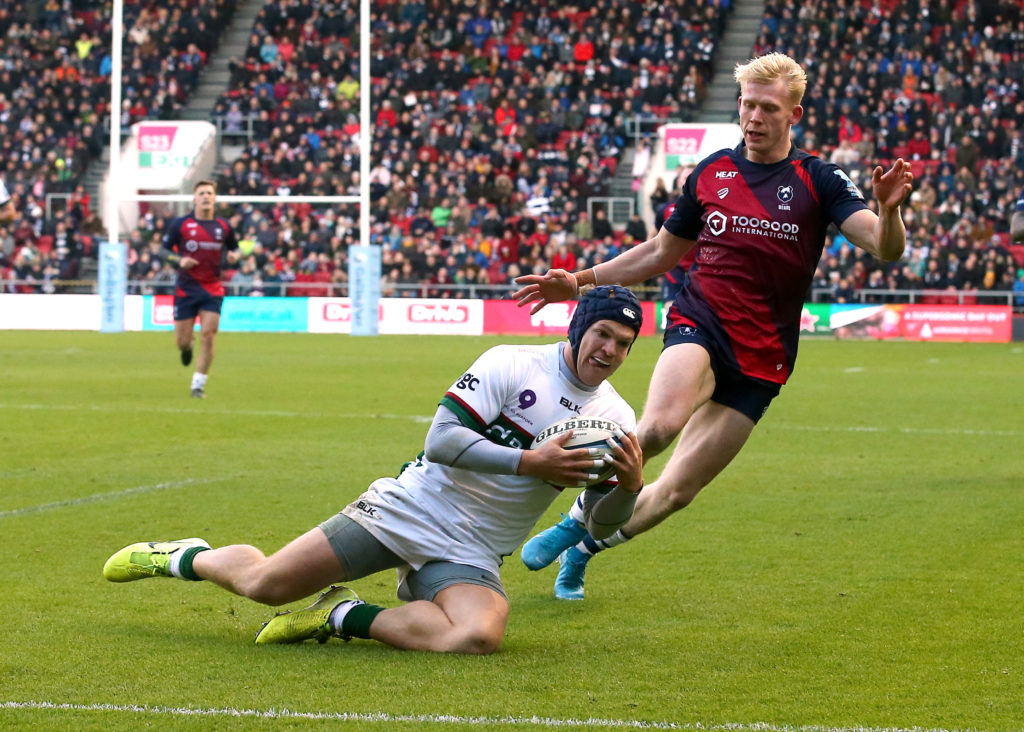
(205,240)
(760,230)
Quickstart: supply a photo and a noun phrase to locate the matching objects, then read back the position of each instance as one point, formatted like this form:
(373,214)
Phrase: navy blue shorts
(189,301)
(746,394)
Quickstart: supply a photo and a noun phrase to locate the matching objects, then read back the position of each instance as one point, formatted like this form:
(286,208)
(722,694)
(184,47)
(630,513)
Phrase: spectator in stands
(601,227)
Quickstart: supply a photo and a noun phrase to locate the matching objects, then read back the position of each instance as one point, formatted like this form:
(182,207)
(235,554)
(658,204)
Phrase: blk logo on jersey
(575,408)
(527,398)
(367,509)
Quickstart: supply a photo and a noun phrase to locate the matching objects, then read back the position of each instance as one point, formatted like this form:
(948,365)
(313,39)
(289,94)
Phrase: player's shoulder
(817,168)
(175,224)
(826,175)
(510,364)
(521,354)
(729,153)
(809,161)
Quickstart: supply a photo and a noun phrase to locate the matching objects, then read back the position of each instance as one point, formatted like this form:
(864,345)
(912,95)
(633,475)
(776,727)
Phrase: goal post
(113,285)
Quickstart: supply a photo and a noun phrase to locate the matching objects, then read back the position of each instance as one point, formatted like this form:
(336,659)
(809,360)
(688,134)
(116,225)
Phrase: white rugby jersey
(5,196)
(433,512)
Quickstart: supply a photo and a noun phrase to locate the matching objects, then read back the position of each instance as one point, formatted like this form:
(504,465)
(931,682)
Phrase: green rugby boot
(146,559)
(295,626)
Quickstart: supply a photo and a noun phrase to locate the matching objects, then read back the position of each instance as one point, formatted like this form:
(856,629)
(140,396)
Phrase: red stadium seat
(45,244)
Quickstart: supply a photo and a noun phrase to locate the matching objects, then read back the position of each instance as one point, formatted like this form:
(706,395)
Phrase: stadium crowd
(939,84)
(55,62)
(491,129)
(494,123)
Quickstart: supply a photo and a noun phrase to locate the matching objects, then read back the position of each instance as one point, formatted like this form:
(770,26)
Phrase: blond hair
(770,67)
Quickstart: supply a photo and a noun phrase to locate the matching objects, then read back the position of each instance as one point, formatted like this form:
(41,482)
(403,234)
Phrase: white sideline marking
(901,430)
(451,719)
(104,496)
(229,412)
(427,420)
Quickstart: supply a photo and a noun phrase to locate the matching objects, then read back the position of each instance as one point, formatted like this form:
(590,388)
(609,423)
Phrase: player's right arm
(644,261)
(459,434)
(450,442)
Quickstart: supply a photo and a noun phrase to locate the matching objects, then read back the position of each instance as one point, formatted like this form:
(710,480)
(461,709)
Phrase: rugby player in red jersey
(197,243)
(757,216)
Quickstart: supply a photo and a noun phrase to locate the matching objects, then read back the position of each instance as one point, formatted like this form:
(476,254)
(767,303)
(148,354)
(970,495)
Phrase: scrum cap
(606,302)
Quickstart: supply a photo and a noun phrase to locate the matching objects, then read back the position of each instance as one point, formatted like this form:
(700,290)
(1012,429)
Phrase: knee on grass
(477,640)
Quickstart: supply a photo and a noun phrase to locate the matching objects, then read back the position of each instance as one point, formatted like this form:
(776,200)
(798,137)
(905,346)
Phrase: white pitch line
(228,412)
(901,430)
(507,721)
(428,419)
(104,496)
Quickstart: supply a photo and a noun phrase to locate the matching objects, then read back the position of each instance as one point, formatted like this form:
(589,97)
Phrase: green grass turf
(859,564)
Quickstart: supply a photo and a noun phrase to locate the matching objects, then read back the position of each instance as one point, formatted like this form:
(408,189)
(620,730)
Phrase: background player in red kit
(197,243)
(758,216)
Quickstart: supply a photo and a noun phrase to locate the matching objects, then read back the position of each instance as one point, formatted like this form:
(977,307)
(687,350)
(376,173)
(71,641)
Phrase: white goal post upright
(116,290)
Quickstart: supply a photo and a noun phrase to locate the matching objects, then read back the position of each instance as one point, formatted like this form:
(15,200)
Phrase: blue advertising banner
(113,285)
(364,268)
(256,314)
(239,314)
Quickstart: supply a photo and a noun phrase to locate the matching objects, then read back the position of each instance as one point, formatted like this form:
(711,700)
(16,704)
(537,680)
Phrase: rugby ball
(592,432)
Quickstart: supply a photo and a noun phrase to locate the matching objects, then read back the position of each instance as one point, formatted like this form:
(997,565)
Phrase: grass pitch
(858,566)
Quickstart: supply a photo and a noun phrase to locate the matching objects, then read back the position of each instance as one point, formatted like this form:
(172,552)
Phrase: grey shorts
(361,554)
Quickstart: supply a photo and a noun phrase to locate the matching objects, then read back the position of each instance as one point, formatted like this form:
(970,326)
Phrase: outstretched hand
(555,285)
(892,186)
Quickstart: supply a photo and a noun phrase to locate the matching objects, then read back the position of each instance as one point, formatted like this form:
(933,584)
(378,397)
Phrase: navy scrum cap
(606,302)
